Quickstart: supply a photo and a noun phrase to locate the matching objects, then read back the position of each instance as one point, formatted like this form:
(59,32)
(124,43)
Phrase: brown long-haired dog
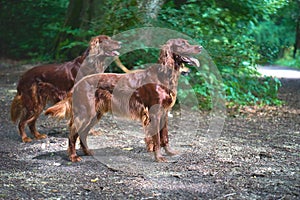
(146,95)
(51,83)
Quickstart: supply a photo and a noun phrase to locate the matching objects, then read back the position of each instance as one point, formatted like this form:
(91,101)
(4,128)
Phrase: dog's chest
(167,97)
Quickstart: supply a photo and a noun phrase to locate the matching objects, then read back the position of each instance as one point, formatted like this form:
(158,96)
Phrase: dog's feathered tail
(62,109)
(16,108)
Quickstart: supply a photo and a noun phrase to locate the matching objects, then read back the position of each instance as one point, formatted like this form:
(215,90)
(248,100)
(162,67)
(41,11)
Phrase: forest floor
(256,155)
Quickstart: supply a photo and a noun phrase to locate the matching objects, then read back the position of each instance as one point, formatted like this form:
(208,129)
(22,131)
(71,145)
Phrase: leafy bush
(288,60)
(228,29)
(28,27)
(225,35)
(272,43)
(223,32)
(275,33)
(244,86)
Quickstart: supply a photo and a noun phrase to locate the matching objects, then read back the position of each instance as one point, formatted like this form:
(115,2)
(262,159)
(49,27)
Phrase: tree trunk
(149,9)
(88,14)
(74,13)
(72,22)
(92,10)
(80,14)
(297,40)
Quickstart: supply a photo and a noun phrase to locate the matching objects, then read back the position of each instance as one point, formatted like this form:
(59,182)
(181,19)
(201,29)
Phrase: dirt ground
(255,157)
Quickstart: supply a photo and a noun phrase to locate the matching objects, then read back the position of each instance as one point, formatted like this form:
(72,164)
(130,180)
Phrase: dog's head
(183,53)
(103,45)
(178,52)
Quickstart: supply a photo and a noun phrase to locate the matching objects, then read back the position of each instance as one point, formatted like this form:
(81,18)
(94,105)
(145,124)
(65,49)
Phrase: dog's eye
(97,42)
(105,42)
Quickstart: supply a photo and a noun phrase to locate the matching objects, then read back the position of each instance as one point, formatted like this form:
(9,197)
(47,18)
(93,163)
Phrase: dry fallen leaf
(94,180)
(127,148)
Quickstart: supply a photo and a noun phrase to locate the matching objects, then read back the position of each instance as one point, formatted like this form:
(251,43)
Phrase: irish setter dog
(51,83)
(145,95)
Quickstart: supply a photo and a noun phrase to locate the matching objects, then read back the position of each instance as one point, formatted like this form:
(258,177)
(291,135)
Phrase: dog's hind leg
(21,126)
(27,119)
(32,109)
(33,130)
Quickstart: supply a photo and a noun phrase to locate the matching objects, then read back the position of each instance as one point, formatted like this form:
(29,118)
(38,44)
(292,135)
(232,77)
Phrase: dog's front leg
(164,137)
(84,146)
(152,131)
(83,136)
(157,150)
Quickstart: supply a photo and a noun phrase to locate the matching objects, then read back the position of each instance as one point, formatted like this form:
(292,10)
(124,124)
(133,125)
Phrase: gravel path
(255,157)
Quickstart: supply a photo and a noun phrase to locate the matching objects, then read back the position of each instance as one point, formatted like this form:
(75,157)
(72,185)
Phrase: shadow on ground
(256,157)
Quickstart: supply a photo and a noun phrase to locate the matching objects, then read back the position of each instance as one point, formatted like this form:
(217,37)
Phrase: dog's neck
(168,72)
(90,64)
(81,58)
(95,59)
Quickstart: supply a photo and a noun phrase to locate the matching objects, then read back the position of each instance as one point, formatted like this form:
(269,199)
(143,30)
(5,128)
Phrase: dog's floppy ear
(94,47)
(166,55)
(96,41)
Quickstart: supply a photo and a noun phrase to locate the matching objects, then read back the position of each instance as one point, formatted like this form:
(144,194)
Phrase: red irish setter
(145,95)
(51,83)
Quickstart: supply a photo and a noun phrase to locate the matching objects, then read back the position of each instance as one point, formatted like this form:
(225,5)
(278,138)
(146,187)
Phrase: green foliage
(74,44)
(224,33)
(27,27)
(236,34)
(120,16)
(244,86)
(288,60)
(276,33)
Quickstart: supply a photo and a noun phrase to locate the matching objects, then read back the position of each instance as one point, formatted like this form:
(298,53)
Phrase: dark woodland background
(239,35)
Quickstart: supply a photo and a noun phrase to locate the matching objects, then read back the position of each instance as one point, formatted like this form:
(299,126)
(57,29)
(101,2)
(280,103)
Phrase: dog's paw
(149,144)
(26,139)
(159,157)
(170,152)
(40,136)
(75,158)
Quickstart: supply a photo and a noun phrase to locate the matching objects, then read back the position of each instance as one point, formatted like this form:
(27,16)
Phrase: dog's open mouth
(112,53)
(191,61)
(112,49)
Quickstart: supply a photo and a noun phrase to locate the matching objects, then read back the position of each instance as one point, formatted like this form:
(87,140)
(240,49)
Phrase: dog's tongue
(195,62)
(115,53)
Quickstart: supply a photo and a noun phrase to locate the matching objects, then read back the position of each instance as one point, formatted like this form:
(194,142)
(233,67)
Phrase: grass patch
(289,61)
